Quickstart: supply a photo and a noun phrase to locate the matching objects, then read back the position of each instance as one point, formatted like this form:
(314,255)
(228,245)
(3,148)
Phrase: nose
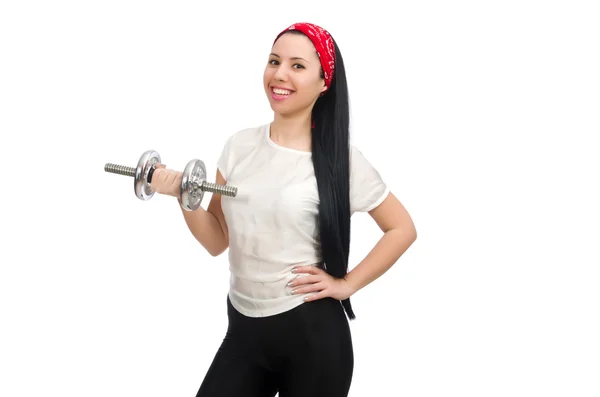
(280,73)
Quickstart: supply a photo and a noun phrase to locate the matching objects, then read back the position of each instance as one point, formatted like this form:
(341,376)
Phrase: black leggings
(306,351)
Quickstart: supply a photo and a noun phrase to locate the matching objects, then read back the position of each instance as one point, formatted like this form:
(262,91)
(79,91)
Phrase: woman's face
(292,77)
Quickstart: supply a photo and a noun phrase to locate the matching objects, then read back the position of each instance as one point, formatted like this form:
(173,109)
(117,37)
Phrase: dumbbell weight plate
(193,176)
(147,162)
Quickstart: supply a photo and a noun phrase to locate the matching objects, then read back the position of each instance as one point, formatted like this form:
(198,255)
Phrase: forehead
(294,45)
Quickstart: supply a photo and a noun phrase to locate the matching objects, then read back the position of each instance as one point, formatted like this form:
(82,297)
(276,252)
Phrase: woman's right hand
(166,181)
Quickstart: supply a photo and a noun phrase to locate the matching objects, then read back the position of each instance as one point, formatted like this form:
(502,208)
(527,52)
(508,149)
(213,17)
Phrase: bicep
(391,214)
(214,206)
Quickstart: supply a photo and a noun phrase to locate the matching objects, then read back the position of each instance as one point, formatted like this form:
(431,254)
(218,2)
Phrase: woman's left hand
(320,284)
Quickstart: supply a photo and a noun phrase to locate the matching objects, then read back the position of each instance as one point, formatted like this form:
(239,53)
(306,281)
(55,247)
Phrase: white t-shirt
(272,221)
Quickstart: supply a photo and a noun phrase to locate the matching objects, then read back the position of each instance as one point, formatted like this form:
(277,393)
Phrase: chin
(280,107)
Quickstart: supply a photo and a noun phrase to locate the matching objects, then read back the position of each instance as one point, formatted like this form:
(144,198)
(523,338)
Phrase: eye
(298,66)
(273,62)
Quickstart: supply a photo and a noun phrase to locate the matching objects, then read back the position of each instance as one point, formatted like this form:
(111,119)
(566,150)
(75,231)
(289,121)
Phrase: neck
(292,132)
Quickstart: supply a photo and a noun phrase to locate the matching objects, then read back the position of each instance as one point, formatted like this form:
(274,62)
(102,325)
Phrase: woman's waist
(250,270)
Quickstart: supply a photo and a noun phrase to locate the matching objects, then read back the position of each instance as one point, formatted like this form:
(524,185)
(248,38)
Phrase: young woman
(288,234)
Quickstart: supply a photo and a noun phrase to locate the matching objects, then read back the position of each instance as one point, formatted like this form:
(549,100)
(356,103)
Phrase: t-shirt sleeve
(367,188)
(225,160)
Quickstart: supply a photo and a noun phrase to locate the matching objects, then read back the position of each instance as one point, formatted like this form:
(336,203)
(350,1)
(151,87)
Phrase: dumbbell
(193,183)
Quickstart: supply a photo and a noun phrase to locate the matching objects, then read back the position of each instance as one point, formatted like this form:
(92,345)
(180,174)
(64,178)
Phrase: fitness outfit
(275,341)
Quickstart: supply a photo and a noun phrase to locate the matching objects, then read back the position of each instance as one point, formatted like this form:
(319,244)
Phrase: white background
(479,115)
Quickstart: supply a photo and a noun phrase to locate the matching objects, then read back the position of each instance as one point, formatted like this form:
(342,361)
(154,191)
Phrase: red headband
(323,43)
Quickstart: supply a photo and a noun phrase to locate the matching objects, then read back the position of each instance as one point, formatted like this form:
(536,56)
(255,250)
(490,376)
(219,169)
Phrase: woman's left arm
(399,233)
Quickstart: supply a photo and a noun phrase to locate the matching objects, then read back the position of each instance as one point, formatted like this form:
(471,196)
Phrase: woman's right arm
(209,226)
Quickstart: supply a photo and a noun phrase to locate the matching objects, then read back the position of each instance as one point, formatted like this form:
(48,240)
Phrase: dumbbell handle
(120,169)
(223,190)
(204,186)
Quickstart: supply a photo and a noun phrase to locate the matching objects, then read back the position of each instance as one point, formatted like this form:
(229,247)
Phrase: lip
(280,97)
(281,88)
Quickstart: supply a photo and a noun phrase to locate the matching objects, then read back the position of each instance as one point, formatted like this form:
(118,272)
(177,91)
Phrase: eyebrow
(293,58)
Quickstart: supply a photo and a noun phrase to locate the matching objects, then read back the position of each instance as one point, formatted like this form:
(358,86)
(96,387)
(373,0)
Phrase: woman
(288,233)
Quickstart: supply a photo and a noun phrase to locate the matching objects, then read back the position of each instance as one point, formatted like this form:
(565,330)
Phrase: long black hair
(331,161)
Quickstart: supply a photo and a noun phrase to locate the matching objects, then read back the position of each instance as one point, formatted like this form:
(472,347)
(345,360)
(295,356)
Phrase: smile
(280,93)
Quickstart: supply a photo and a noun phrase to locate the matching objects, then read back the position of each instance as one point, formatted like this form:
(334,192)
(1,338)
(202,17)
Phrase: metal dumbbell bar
(193,183)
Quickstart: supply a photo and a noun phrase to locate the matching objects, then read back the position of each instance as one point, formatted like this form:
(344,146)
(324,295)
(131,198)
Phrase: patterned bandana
(322,41)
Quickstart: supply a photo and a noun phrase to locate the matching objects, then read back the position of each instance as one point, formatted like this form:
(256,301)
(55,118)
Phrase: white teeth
(279,91)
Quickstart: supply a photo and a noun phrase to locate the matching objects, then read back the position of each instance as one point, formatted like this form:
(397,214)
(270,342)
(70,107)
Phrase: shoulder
(237,146)
(357,159)
(367,187)
(354,151)
(363,172)
(246,136)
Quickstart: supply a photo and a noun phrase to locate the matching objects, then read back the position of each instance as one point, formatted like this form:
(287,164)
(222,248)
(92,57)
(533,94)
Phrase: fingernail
(290,283)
